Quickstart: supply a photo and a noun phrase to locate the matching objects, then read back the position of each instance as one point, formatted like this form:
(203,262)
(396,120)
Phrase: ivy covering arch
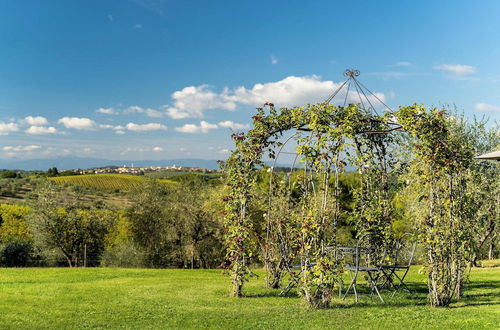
(327,136)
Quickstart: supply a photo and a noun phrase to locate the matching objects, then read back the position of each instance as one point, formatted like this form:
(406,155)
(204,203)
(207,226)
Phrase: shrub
(16,254)
(125,254)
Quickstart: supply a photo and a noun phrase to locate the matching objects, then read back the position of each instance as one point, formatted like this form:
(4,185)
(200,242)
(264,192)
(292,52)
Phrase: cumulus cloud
(107,111)
(274,60)
(21,148)
(487,107)
(203,127)
(193,101)
(145,127)
(40,130)
(6,128)
(403,63)
(457,69)
(224,151)
(147,111)
(36,121)
(141,149)
(232,125)
(78,123)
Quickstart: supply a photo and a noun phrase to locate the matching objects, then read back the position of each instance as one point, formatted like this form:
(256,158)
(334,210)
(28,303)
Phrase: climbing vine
(440,174)
(304,226)
(329,132)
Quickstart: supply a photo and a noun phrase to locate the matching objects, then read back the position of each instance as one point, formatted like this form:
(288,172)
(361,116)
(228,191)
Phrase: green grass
(122,182)
(148,298)
(490,263)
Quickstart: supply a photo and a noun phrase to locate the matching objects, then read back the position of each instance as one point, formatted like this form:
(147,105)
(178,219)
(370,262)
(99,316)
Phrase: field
(149,298)
(121,182)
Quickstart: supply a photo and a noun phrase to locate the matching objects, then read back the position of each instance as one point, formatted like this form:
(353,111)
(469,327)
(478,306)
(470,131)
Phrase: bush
(490,263)
(124,254)
(16,254)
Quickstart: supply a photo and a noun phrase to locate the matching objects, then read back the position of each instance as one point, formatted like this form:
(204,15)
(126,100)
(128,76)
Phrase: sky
(166,79)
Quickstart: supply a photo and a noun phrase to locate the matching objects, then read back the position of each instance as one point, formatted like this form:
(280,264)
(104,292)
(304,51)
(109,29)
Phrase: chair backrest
(405,250)
(366,254)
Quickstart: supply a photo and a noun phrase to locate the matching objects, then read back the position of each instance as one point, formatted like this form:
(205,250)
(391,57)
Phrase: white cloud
(120,132)
(457,69)
(87,150)
(147,111)
(78,123)
(145,127)
(224,151)
(21,148)
(232,125)
(107,111)
(36,121)
(403,63)
(274,60)
(193,101)
(204,127)
(487,107)
(39,130)
(6,128)
(140,149)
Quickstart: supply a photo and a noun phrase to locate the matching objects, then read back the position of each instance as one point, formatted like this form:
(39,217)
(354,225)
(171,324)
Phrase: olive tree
(59,221)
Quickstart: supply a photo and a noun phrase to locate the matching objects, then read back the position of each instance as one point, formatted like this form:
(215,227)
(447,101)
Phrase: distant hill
(68,163)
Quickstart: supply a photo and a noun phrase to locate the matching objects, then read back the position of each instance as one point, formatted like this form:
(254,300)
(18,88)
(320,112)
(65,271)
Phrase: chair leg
(387,273)
(401,282)
(340,289)
(352,285)
(374,286)
(285,291)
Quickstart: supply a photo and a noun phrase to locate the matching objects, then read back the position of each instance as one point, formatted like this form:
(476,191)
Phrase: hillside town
(141,170)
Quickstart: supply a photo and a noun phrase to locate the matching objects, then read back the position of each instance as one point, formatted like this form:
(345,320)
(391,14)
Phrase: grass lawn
(148,298)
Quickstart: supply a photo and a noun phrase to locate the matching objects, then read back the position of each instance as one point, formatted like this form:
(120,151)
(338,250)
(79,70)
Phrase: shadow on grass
(417,297)
(271,293)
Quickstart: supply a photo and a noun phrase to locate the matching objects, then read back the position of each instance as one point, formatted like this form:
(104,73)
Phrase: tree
(173,225)
(150,222)
(60,221)
(438,178)
(9,174)
(13,223)
(52,171)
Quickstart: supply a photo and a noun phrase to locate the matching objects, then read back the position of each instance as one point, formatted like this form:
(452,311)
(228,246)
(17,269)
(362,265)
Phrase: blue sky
(164,79)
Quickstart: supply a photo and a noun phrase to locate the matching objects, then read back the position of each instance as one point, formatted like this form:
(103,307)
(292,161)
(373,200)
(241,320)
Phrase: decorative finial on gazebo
(351,73)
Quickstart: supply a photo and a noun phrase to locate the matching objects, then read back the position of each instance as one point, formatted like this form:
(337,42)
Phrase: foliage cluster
(174,225)
(331,131)
(437,178)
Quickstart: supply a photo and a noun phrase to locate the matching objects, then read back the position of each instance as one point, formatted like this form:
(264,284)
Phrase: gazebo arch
(329,131)
(359,132)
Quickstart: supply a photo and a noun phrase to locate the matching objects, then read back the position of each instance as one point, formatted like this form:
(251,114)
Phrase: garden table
(357,253)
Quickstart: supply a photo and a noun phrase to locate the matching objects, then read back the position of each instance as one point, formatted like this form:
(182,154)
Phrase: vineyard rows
(103,181)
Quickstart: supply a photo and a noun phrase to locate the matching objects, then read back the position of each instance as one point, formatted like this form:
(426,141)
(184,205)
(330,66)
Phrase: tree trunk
(492,248)
(237,285)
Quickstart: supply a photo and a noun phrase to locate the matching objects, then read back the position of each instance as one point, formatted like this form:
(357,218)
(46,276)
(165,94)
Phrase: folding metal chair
(404,253)
(361,257)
